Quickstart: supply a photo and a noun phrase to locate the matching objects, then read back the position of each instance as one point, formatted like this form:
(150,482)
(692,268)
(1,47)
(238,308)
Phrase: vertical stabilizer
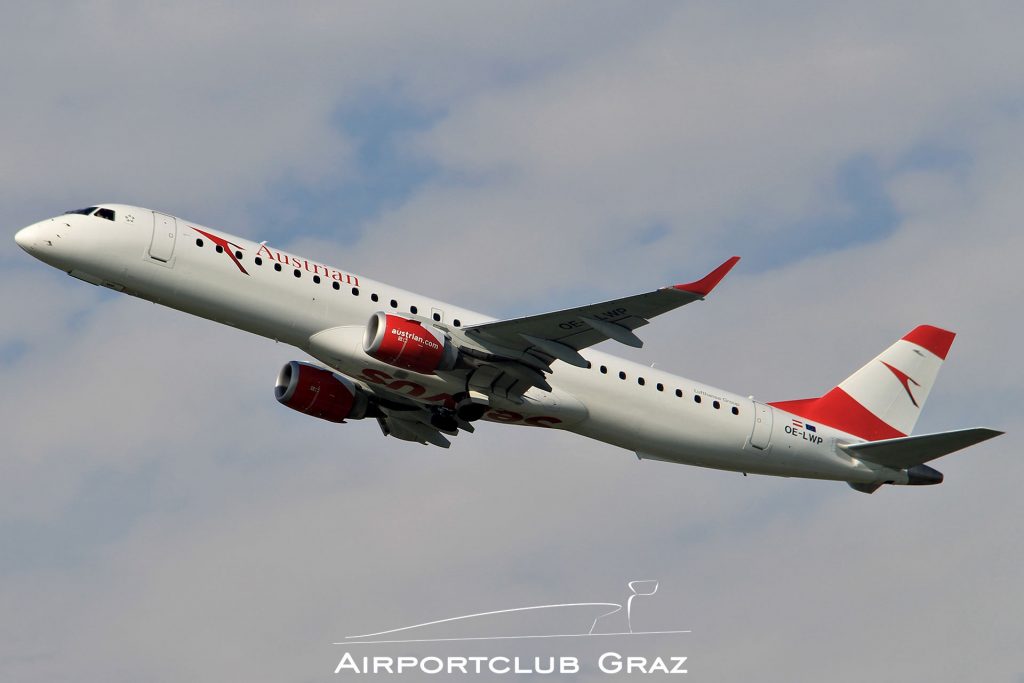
(884,398)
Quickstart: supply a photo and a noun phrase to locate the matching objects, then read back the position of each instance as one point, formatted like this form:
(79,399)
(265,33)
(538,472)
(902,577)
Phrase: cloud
(725,151)
(161,517)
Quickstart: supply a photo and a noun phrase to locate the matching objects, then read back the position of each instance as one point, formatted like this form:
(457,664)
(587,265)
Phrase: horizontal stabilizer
(908,451)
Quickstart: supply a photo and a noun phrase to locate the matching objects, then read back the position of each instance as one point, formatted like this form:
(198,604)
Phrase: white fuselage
(323,310)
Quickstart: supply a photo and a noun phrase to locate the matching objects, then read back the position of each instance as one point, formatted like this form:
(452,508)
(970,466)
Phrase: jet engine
(408,344)
(316,391)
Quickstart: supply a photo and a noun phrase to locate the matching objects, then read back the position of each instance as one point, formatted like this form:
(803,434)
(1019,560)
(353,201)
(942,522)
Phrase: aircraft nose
(30,238)
(25,239)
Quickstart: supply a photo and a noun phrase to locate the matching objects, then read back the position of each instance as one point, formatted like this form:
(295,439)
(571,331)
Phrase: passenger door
(165,234)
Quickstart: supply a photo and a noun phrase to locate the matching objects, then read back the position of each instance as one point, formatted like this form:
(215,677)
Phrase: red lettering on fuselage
(416,390)
(315,268)
(511,417)
(375,376)
(506,416)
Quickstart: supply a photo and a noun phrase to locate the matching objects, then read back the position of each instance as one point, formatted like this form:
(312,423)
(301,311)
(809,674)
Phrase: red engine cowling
(408,344)
(319,392)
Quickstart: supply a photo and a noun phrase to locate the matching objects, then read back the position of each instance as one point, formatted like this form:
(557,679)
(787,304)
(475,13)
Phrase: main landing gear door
(762,434)
(165,233)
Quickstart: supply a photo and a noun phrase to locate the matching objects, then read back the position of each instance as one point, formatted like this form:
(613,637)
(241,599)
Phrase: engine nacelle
(408,344)
(316,391)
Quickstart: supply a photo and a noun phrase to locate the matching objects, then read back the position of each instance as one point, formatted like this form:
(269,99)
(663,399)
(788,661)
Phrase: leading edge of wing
(698,289)
(703,286)
(583,326)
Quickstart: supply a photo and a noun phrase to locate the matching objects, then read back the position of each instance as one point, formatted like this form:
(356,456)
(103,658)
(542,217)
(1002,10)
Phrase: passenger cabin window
(105,213)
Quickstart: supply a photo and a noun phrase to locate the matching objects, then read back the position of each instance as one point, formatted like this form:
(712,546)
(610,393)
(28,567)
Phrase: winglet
(704,286)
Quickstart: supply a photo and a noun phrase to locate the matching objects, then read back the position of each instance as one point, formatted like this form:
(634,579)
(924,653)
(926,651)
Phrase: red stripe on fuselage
(839,410)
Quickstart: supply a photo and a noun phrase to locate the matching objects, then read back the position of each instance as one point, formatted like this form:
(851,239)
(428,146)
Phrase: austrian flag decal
(804,425)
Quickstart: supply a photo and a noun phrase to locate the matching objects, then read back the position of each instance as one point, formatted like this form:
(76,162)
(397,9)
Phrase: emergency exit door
(762,434)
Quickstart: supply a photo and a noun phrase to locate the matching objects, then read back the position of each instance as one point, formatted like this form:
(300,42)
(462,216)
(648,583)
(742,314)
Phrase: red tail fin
(883,399)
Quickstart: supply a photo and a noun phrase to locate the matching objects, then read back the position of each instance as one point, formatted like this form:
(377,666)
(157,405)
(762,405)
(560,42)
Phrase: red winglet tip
(704,286)
(932,338)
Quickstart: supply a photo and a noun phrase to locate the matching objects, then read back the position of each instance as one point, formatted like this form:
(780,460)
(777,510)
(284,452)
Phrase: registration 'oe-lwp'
(426,370)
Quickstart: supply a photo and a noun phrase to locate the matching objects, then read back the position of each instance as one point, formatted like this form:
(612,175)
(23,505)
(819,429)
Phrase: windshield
(94,211)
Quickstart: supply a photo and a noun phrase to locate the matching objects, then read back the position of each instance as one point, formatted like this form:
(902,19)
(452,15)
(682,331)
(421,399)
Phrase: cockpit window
(94,211)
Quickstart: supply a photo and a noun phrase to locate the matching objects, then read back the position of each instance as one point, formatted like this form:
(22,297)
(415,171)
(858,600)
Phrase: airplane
(427,370)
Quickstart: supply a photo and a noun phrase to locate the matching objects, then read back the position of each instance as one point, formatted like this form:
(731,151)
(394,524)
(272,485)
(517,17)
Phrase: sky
(163,518)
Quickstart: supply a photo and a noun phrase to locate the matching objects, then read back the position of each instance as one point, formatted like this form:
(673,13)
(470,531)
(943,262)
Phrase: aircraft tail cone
(922,475)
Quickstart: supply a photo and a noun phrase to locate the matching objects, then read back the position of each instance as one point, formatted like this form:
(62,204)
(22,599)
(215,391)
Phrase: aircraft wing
(504,359)
(562,334)
(405,419)
(510,356)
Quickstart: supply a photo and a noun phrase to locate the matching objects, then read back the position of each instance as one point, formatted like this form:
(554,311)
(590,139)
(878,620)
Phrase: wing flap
(411,430)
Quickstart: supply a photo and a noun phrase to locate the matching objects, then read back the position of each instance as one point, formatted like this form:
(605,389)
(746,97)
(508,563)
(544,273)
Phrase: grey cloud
(263,535)
(213,103)
(724,150)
